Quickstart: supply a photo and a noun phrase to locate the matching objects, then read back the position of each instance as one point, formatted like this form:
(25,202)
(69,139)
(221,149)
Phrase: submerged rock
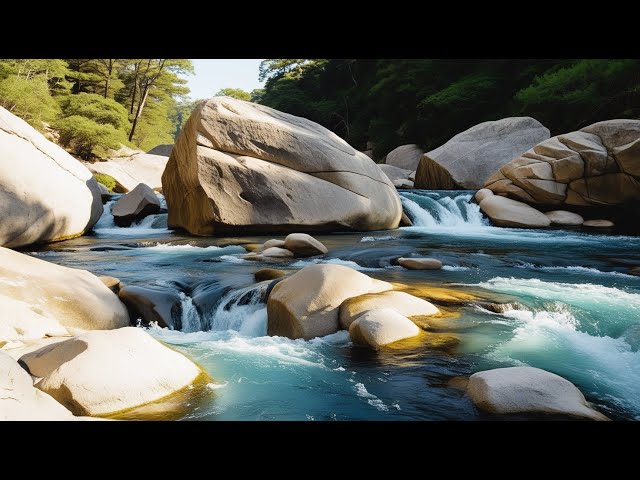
(45,193)
(20,400)
(418,263)
(103,372)
(249,168)
(471,157)
(377,328)
(403,303)
(39,298)
(268,274)
(528,390)
(506,212)
(306,304)
(135,205)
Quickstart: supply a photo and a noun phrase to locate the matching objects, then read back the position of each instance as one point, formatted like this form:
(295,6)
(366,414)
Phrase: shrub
(106,180)
(87,138)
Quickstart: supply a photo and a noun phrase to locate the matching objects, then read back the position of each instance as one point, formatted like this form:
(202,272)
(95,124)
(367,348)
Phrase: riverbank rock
(42,298)
(564,218)
(598,223)
(418,263)
(307,303)
(20,400)
(131,171)
(377,328)
(528,390)
(303,245)
(240,167)
(135,205)
(471,157)
(272,243)
(401,302)
(45,193)
(506,212)
(103,372)
(164,150)
(593,167)
(153,304)
(406,157)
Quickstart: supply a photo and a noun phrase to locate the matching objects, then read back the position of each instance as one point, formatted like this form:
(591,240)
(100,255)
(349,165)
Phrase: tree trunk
(135,88)
(143,99)
(106,85)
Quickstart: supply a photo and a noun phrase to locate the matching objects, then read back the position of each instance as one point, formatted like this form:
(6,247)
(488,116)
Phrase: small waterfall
(446,208)
(190,320)
(150,224)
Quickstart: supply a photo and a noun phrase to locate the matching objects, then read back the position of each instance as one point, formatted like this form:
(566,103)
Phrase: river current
(572,309)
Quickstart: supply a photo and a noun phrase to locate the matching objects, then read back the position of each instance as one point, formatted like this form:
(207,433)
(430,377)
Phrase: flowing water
(570,308)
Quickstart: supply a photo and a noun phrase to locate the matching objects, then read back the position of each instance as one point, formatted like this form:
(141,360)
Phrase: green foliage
(427,101)
(28,99)
(181,113)
(104,111)
(235,93)
(108,181)
(87,138)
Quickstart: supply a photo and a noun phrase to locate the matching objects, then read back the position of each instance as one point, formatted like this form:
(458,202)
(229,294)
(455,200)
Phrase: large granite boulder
(378,328)
(20,400)
(129,172)
(103,372)
(598,165)
(468,159)
(528,390)
(39,298)
(135,205)
(240,167)
(307,303)
(45,193)
(406,157)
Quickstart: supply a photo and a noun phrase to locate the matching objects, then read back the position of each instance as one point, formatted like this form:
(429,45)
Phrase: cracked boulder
(45,193)
(596,166)
(239,167)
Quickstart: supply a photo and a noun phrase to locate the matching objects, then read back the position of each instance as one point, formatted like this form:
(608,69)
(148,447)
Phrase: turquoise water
(575,311)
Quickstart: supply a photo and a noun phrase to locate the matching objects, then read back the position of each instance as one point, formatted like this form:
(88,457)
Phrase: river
(574,312)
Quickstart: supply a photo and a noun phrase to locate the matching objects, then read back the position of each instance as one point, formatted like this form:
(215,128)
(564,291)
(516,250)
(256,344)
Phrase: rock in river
(377,328)
(240,167)
(505,212)
(45,193)
(135,205)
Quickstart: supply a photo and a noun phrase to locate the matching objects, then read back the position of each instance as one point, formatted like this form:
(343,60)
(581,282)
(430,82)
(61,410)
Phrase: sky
(212,75)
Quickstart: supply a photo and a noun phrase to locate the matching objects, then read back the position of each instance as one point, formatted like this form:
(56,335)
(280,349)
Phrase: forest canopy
(395,102)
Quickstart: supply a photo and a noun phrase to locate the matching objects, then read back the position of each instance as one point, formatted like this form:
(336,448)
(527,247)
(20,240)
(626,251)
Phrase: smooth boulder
(135,205)
(129,172)
(528,390)
(20,400)
(596,166)
(45,194)
(268,274)
(378,328)
(564,218)
(307,303)
(506,212)
(598,223)
(276,252)
(103,372)
(153,305)
(401,302)
(406,157)
(419,263)
(47,299)
(240,167)
(471,157)
(482,194)
(395,173)
(303,245)
(272,243)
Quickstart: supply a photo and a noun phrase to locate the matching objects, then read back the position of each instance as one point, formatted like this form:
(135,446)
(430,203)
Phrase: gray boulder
(406,157)
(135,205)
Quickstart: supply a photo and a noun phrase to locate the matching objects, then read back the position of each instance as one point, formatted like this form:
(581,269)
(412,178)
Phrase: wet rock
(418,263)
(378,328)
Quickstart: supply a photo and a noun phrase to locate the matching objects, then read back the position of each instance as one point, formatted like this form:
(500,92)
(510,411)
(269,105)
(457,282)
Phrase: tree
(107,69)
(235,93)
(276,67)
(157,74)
